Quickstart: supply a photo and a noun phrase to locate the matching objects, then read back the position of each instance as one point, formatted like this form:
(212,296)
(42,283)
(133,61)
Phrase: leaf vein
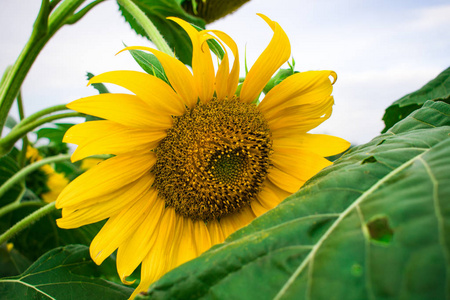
(316,247)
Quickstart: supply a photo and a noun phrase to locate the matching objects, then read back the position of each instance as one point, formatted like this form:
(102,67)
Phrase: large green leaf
(436,89)
(157,11)
(63,273)
(375,225)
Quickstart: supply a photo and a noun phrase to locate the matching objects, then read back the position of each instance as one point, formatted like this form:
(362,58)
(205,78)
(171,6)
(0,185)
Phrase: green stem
(23,152)
(41,113)
(44,28)
(7,143)
(16,178)
(147,25)
(17,204)
(27,221)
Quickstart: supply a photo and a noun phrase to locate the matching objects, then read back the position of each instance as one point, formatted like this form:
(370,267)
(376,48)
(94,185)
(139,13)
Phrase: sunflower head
(193,161)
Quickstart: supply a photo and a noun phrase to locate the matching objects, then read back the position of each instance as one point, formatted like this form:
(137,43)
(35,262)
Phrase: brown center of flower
(214,159)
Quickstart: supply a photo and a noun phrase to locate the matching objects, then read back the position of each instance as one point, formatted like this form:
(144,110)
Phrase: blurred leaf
(375,225)
(12,262)
(211,10)
(149,63)
(44,234)
(10,122)
(157,11)
(100,87)
(436,89)
(281,75)
(54,134)
(8,167)
(62,273)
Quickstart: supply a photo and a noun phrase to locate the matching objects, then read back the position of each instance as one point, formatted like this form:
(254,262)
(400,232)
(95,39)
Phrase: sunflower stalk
(17,204)
(16,178)
(26,222)
(149,28)
(49,20)
(19,131)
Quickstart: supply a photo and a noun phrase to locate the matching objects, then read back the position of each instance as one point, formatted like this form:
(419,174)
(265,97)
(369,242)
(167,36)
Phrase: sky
(380,49)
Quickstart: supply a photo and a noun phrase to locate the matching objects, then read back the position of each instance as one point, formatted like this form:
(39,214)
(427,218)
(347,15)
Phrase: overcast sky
(380,49)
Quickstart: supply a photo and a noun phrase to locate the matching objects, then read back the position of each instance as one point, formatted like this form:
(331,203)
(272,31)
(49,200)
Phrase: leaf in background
(211,10)
(436,89)
(10,122)
(44,234)
(8,167)
(101,88)
(54,134)
(157,11)
(281,75)
(375,225)
(149,63)
(66,272)
(12,262)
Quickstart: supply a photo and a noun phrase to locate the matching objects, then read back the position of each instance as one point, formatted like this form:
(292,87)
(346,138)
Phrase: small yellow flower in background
(193,162)
(55,182)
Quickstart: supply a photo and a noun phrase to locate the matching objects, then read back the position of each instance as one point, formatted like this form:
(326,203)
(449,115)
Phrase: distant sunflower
(45,182)
(193,162)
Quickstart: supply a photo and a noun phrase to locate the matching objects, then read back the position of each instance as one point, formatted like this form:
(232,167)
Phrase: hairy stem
(7,143)
(27,221)
(16,178)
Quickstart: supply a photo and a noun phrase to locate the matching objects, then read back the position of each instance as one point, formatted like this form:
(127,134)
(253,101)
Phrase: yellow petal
(106,177)
(124,109)
(201,236)
(215,232)
(305,88)
(265,201)
(299,163)
(178,74)
(133,252)
(301,119)
(119,229)
(285,181)
(150,89)
(321,144)
(158,260)
(107,137)
(185,244)
(99,208)
(226,83)
(276,54)
(202,65)
(236,221)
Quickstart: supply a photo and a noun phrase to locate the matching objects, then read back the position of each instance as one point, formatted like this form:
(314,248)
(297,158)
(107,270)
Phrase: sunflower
(194,162)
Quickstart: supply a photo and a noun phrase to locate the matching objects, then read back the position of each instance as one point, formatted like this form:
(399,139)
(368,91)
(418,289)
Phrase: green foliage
(62,273)
(10,122)
(100,87)
(436,89)
(8,167)
(375,225)
(149,63)
(281,75)
(157,11)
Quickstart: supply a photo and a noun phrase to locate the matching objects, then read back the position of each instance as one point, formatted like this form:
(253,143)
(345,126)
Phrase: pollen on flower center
(214,159)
